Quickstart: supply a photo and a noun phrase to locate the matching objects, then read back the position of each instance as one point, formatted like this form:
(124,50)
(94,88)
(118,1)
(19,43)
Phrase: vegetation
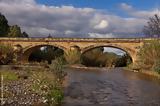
(6,53)
(72,57)
(149,56)
(4,27)
(10,31)
(46,83)
(48,53)
(51,82)
(152,29)
(97,57)
(55,96)
(9,76)
(58,63)
(124,60)
(156,66)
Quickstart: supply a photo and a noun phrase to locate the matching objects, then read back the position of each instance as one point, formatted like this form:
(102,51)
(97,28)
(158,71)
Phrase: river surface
(110,87)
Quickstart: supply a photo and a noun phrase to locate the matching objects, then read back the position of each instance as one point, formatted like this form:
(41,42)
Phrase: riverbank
(146,72)
(30,86)
(79,66)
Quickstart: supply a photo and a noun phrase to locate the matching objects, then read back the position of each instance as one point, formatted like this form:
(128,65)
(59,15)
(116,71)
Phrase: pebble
(21,94)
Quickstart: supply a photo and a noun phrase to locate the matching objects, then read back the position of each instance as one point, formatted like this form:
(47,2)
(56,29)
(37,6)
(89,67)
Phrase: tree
(10,31)
(4,27)
(123,60)
(152,29)
(90,57)
(25,35)
(97,57)
(48,53)
(14,31)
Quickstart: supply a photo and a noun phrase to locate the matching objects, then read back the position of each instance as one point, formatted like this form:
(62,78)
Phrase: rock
(105,99)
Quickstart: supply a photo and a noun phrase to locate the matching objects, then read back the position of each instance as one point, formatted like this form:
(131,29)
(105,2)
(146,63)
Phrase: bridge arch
(30,49)
(129,51)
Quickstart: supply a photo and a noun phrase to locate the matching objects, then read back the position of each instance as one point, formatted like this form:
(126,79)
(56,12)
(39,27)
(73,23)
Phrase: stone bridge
(28,45)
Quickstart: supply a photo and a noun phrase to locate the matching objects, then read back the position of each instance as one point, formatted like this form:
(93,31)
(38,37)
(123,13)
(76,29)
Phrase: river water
(110,87)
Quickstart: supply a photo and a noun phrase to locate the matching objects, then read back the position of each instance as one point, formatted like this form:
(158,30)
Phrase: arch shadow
(128,52)
(28,51)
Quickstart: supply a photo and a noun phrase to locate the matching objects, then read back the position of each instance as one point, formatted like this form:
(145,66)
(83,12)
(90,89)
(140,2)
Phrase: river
(110,87)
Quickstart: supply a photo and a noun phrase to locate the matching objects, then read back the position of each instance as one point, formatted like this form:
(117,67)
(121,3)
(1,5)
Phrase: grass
(55,96)
(46,82)
(42,80)
(9,76)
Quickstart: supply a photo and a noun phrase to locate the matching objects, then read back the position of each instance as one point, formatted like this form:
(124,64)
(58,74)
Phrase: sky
(80,18)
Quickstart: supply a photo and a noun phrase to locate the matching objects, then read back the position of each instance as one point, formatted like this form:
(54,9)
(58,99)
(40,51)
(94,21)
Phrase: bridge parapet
(79,39)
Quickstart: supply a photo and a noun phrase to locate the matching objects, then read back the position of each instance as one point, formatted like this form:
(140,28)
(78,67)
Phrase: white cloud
(68,21)
(103,24)
(108,35)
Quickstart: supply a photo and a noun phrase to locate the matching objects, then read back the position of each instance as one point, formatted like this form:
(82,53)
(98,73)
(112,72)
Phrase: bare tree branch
(152,29)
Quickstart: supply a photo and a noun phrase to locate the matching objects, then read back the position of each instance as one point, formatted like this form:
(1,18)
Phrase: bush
(72,57)
(156,67)
(6,53)
(57,68)
(57,64)
(149,55)
(55,96)
(98,58)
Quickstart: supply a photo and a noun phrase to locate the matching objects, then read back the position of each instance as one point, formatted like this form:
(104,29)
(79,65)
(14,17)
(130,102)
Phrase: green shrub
(46,83)
(57,68)
(58,63)
(156,67)
(55,97)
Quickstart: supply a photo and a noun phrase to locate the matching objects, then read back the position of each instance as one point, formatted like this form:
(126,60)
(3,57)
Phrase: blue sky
(80,18)
(103,4)
(108,5)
